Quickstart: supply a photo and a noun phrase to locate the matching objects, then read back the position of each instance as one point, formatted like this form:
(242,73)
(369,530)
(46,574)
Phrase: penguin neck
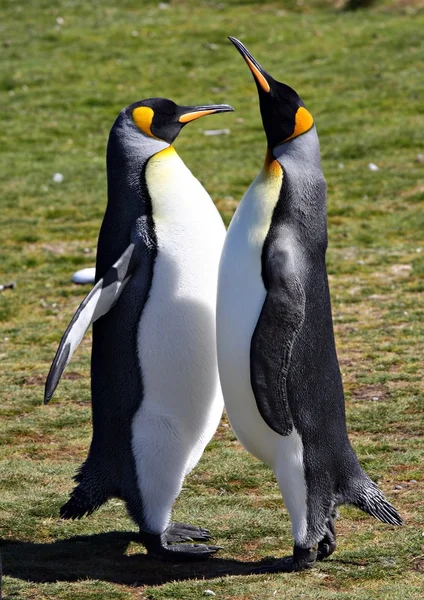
(302,151)
(127,154)
(303,191)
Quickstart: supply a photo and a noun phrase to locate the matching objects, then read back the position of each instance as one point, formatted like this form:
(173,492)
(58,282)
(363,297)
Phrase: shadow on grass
(103,557)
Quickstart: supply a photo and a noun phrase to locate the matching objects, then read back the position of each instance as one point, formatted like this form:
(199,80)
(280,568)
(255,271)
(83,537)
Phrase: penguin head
(284,114)
(162,119)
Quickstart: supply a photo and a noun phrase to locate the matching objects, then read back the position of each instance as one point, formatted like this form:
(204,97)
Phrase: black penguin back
(116,378)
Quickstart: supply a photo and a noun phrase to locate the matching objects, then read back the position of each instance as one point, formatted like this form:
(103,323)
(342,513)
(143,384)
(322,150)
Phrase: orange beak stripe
(192,116)
(258,75)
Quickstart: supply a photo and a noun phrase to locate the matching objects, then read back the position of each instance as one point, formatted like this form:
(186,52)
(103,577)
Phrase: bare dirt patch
(400,270)
(418,564)
(370,393)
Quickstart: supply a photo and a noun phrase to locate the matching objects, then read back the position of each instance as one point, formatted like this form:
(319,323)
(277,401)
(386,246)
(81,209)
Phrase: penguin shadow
(106,557)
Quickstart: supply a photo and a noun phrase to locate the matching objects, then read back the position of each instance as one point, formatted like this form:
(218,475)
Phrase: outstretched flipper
(98,302)
(279,323)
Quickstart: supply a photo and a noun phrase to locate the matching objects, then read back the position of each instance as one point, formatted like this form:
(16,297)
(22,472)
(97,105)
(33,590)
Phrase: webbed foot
(302,559)
(182,532)
(157,547)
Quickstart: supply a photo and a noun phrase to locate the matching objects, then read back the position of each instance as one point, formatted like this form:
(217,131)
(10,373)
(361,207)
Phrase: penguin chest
(241,294)
(176,336)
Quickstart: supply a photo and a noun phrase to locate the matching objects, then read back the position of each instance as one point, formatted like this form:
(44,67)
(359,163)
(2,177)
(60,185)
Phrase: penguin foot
(328,544)
(326,547)
(157,547)
(182,532)
(283,565)
(302,559)
(184,552)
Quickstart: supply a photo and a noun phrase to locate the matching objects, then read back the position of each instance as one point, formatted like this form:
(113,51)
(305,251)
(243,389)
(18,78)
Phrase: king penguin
(156,398)
(276,352)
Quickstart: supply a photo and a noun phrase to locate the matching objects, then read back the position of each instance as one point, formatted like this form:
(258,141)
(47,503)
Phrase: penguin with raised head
(156,398)
(276,352)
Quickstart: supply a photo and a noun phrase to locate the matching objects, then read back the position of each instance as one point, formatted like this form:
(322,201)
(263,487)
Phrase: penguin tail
(369,498)
(80,504)
(93,490)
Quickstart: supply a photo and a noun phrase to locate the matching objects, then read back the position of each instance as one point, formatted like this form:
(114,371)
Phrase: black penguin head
(162,119)
(284,114)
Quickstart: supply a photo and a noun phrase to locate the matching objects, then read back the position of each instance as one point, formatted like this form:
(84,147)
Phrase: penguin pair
(276,352)
(155,392)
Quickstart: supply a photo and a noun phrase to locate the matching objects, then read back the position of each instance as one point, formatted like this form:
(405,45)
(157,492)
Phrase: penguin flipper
(97,303)
(279,323)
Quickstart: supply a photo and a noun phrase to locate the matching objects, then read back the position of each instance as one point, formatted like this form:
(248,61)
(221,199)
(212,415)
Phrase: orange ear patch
(303,123)
(143,117)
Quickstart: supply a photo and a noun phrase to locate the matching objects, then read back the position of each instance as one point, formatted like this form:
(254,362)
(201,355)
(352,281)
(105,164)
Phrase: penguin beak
(261,77)
(191,113)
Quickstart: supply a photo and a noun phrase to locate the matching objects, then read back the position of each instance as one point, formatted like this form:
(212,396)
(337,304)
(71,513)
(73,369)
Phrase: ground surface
(68,68)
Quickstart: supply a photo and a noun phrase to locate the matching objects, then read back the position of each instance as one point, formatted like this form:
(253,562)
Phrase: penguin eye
(143,117)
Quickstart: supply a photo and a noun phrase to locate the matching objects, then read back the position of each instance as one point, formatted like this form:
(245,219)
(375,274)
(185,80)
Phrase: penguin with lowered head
(156,398)
(276,352)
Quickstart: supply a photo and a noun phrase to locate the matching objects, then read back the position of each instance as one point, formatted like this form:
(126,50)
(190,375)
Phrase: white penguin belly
(182,400)
(241,294)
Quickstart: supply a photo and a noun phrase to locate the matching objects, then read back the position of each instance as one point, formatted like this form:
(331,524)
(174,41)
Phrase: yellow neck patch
(271,166)
(165,153)
(143,117)
(303,123)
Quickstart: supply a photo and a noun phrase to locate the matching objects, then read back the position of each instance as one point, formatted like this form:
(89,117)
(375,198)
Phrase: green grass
(61,87)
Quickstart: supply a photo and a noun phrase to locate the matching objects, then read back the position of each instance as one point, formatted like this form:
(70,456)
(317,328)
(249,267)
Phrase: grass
(62,85)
